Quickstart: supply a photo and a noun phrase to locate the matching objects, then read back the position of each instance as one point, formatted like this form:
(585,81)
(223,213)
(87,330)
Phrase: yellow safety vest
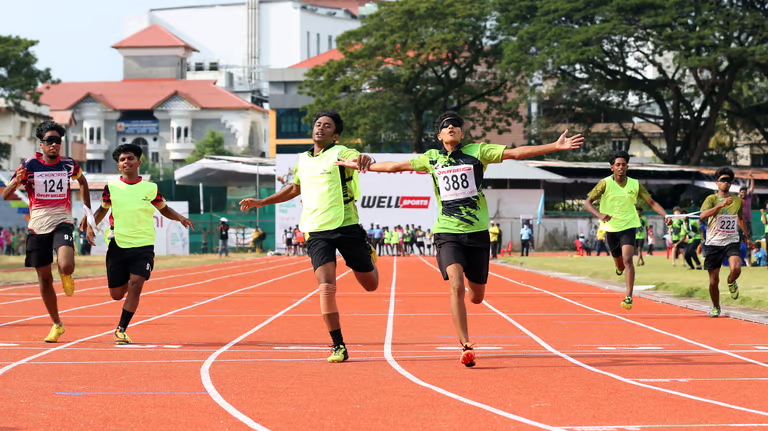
(619,203)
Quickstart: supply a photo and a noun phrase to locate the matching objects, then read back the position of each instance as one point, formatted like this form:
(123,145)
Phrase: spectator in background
(525,239)
(585,245)
(746,193)
(600,242)
(378,239)
(224,237)
(494,233)
(420,234)
(501,239)
(651,240)
(204,245)
(429,239)
(759,254)
(256,239)
(370,235)
(7,241)
(301,242)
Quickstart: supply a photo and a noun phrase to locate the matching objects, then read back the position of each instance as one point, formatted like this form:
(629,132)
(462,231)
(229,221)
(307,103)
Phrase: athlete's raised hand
(565,143)
(21,174)
(249,203)
(351,164)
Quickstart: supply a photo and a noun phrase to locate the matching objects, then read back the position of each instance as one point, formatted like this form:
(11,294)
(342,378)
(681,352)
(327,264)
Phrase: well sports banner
(387,199)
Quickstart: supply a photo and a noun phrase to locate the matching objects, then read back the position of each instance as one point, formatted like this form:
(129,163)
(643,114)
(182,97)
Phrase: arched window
(186,133)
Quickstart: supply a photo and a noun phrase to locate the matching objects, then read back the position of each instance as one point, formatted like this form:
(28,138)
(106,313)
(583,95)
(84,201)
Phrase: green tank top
(387,236)
(640,234)
(692,230)
(133,213)
(677,229)
(619,203)
(325,190)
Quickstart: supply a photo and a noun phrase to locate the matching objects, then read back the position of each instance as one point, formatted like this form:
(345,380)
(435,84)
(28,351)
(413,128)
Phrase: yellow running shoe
(374,255)
(68,284)
(122,338)
(339,354)
(627,303)
(55,333)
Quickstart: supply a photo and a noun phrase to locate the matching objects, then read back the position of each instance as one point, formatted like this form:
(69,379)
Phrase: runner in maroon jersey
(46,179)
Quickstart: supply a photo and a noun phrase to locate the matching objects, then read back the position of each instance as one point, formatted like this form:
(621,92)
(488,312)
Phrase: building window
(98,134)
(758,160)
(308,45)
(93,166)
(90,134)
(178,134)
(155,157)
(330,42)
(318,44)
(186,133)
(199,67)
(620,145)
(213,65)
(290,126)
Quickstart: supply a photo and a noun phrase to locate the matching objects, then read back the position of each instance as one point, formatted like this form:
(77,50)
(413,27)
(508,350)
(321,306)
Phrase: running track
(241,345)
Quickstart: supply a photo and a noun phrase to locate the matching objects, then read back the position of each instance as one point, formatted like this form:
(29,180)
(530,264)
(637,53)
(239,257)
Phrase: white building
(155,106)
(237,42)
(17,128)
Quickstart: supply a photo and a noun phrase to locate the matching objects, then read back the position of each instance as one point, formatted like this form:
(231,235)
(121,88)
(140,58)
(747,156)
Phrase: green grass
(87,266)
(658,271)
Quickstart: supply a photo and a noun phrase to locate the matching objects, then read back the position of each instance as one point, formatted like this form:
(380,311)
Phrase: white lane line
(391,360)
(681,338)
(148,281)
(205,370)
(29,358)
(543,344)
(149,293)
(674,426)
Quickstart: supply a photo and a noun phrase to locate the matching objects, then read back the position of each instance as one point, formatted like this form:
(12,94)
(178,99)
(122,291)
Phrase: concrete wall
(153,67)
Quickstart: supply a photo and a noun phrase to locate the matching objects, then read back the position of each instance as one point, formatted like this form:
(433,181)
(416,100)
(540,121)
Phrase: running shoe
(68,284)
(715,312)
(122,338)
(468,355)
(627,303)
(374,255)
(339,354)
(734,289)
(55,333)
(617,269)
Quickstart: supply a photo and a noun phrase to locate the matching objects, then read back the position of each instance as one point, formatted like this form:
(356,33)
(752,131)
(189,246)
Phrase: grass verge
(658,271)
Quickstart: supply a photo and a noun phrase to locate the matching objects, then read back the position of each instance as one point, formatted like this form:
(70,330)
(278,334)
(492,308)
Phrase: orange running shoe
(468,355)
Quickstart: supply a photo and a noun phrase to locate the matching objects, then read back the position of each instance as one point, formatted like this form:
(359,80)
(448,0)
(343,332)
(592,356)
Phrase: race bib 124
(51,185)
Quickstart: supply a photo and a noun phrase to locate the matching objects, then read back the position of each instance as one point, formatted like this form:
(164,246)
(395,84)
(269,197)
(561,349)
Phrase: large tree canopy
(408,62)
(19,75)
(673,63)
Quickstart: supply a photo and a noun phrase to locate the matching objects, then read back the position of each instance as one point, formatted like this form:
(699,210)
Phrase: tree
(212,144)
(5,150)
(410,61)
(672,63)
(19,77)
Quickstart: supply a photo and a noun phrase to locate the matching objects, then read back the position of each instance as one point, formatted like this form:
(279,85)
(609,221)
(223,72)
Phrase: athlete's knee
(475,297)
(67,268)
(118,293)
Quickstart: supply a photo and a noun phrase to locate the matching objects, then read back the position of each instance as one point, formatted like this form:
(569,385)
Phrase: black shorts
(717,253)
(639,243)
(351,241)
(470,250)
(122,262)
(617,240)
(40,247)
(288,242)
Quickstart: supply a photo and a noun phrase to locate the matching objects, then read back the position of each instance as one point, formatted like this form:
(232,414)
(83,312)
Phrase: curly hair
(446,115)
(49,126)
(725,171)
(333,115)
(127,148)
(618,155)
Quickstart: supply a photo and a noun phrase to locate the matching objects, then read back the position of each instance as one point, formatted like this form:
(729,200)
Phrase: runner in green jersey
(640,235)
(461,230)
(723,213)
(619,217)
(329,218)
(131,237)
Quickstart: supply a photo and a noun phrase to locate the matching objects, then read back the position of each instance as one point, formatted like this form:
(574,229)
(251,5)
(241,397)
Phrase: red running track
(241,345)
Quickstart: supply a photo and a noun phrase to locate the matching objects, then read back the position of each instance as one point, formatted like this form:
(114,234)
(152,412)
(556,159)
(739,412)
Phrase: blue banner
(138,127)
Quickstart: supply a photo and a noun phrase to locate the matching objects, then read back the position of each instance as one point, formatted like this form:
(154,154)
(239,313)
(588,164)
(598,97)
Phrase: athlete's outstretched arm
(563,143)
(14,184)
(404,166)
(659,210)
(285,194)
(172,214)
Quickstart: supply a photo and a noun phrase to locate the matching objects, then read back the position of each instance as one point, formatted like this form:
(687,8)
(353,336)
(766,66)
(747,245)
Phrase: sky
(75,35)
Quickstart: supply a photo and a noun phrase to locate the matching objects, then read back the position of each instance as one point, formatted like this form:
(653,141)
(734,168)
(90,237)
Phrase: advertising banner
(387,199)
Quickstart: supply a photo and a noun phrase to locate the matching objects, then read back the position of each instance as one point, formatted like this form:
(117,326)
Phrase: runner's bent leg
(326,280)
(627,253)
(45,280)
(714,290)
(66,260)
(735,264)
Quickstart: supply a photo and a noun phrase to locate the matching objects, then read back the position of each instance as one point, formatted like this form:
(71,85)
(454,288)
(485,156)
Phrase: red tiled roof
(65,118)
(139,94)
(352,5)
(154,36)
(333,54)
